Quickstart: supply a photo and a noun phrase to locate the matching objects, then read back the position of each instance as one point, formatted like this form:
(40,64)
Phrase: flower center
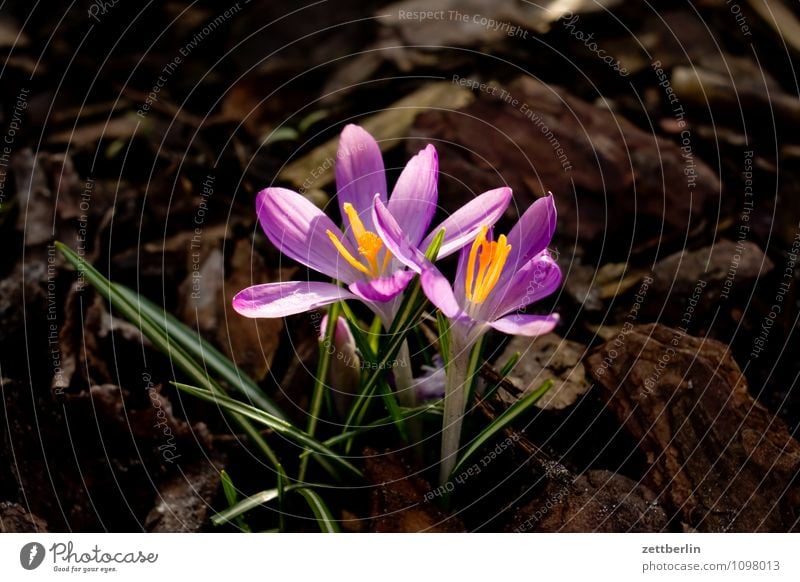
(369,245)
(490,257)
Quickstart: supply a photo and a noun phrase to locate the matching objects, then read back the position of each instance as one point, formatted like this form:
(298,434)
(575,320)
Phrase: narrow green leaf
(323,515)
(202,350)
(232,497)
(390,402)
(324,518)
(509,365)
(375,333)
(443,324)
(362,337)
(504,371)
(393,408)
(411,309)
(501,422)
(228,488)
(279,426)
(245,505)
(475,358)
(434,409)
(320,380)
(280,134)
(162,341)
(432,252)
(311,119)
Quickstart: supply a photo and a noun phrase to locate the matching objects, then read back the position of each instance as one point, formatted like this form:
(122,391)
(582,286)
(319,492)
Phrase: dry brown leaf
(316,168)
(780,18)
(117,128)
(251,343)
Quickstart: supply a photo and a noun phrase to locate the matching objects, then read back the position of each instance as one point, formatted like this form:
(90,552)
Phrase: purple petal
(413,200)
(342,335)
(523,324)
(297,227)
(537,279)
(383,289)
(287,298)
(460,280)
(359,172)
(438,290)
(532,233)
(431,384)
(461,227)
(395,238)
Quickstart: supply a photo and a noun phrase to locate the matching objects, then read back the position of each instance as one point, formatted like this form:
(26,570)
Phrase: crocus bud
(344,373)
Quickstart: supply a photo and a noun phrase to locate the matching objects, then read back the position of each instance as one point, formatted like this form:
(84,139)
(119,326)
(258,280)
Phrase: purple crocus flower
(495,281)
(358,257)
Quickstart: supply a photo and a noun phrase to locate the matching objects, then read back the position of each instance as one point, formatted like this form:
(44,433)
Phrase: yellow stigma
(369,245)
(491,256)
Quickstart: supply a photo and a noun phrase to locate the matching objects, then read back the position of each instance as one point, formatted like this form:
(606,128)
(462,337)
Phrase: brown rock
(598,501)
(397,502)
(547,357)
(607,175)
(718,459)
(14,519)
(708,274)
(183,502)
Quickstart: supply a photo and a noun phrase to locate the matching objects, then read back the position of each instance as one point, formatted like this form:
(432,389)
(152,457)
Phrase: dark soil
(139,137)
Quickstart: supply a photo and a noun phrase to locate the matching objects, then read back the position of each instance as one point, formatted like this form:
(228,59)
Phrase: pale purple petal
(431,384)
(461,227)
(359,172)
(413,200)
(460,280)
(383,289)
(342,335)
(532,233)
(287,298)
(438,290)
(297,227)
(395,238)
(537,279)
(524,324)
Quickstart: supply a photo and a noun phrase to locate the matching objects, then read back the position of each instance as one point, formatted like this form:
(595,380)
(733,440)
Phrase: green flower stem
(411,309)
(404,378)
(320,382)
(406,393)
(460,370)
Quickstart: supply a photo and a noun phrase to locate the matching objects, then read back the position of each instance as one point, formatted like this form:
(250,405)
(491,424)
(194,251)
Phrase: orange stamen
(491,257)
(369,245)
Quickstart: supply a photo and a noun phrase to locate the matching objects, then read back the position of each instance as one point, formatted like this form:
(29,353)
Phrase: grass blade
(162,341)
(410,310)
(232,497)
(426,409)
(200,349)
(279,426)
(324,518)
(245,505)
(443,325)
(323,515)
(320,380)
(504,372)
